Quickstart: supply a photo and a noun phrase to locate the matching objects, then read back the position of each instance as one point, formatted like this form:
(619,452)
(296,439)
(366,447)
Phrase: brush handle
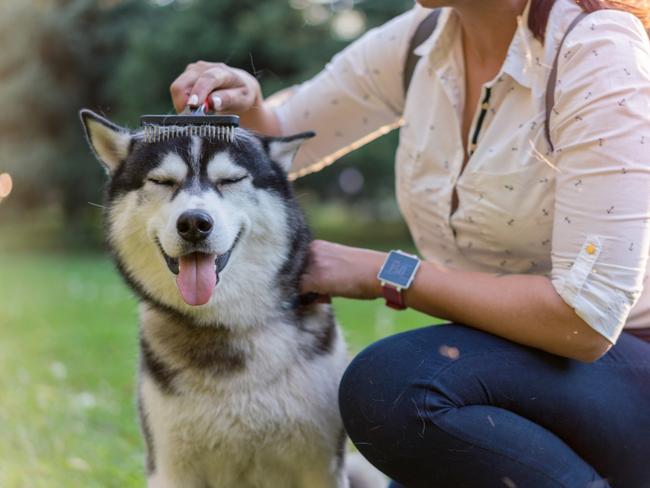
(202,109)
(192,116)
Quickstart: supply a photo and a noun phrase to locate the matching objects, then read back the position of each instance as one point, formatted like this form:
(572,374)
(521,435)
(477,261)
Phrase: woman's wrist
(373,263)
(261,118)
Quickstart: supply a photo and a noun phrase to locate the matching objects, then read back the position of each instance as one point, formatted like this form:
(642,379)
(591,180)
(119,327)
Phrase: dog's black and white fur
(242,390)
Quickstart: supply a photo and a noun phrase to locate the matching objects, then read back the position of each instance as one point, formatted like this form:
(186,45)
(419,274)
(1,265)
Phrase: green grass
(68,356)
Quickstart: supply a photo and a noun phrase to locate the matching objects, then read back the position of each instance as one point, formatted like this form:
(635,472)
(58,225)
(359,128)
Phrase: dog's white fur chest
(271,424)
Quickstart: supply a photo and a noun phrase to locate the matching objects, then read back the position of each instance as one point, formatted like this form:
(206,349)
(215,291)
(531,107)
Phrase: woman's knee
(384,370)
(390,385)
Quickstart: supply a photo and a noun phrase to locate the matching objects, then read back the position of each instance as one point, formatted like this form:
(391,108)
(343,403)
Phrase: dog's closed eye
(163,181)
(231,181)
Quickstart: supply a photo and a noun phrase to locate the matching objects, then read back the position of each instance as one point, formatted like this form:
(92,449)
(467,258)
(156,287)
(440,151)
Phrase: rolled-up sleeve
(601,130)
(356,98)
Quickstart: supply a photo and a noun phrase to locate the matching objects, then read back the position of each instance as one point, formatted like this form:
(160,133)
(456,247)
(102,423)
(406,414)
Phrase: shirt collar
(524,59)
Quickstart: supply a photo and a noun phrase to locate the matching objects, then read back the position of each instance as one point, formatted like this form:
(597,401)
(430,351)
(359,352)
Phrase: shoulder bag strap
(422,33)
(552,81)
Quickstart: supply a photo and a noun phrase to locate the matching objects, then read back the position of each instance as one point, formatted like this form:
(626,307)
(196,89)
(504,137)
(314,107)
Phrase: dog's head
(196,224)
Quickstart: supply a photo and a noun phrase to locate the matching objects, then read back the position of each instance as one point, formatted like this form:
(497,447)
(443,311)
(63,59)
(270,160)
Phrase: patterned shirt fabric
(579,214)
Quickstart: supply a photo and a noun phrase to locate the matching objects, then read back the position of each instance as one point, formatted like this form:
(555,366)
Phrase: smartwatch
(396,275)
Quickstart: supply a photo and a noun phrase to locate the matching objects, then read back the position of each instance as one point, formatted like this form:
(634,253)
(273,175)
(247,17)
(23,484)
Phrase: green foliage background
(119,58)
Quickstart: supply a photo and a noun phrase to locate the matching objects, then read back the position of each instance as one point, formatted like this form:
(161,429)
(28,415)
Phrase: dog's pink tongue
(196,278)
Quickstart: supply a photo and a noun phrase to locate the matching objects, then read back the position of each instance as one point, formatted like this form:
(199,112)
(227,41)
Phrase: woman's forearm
(523,308)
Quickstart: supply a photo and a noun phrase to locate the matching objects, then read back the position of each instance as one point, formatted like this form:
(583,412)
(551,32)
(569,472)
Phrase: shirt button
(591,249)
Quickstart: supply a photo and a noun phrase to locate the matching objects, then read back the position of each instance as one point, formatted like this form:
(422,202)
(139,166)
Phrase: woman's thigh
(450,403)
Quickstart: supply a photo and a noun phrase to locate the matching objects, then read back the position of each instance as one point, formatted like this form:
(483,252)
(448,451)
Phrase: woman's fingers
(181,88)
(233,99)
(214,79)
(224,87)
(308,284)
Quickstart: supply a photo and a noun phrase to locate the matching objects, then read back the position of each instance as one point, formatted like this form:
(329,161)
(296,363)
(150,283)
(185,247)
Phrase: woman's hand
(342,271)
(230,89)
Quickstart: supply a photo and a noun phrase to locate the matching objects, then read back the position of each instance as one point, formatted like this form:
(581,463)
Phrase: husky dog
(238,379)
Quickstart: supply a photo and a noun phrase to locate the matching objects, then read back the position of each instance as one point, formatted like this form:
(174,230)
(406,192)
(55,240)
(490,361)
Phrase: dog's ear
(283,150)
(109,142)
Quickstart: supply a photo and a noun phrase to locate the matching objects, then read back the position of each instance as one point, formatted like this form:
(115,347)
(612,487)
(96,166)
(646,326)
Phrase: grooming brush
(190,122)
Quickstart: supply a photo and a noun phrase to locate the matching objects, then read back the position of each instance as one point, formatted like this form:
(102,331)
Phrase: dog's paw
(362,474)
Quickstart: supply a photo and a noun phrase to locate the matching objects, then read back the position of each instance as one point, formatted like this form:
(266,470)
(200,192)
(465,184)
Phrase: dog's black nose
(194,225)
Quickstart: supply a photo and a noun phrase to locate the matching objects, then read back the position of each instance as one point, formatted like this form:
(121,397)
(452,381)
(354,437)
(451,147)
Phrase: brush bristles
(159,133)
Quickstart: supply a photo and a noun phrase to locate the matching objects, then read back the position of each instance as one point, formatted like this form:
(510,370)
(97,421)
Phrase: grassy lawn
(67,370)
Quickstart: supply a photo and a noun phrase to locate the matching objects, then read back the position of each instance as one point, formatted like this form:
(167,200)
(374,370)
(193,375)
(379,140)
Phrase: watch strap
(394,296)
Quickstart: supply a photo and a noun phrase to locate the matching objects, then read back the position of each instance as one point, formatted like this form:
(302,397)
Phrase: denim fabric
(452,407)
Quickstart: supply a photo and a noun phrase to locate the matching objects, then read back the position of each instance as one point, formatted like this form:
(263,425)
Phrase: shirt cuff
(604,308)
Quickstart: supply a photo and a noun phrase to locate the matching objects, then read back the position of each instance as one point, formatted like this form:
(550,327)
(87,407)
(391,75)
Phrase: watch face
(399,269)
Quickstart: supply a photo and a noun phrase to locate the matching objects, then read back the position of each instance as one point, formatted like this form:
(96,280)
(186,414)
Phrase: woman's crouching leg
(421,407)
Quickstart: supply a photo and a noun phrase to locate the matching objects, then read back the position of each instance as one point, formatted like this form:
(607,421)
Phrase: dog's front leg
(174,478)
(324,478)
(171,466)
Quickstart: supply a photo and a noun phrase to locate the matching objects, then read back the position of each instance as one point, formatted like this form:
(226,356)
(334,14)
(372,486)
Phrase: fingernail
(193,101)
(217,102)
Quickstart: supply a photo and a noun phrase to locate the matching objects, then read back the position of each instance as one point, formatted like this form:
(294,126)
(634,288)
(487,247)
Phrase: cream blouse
(579,214)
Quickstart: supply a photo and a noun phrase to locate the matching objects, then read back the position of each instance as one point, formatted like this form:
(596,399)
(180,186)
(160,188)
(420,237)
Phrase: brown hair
(540,10)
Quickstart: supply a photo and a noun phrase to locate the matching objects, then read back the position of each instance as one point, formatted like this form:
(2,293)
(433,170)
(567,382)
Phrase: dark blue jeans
(452,407)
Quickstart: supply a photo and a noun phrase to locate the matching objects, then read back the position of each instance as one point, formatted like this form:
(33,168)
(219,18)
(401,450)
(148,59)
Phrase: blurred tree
(56,58)
(119,57)
(267,38)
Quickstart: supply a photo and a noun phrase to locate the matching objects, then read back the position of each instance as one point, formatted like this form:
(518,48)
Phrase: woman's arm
(357,97)
(601,231)
(522,308)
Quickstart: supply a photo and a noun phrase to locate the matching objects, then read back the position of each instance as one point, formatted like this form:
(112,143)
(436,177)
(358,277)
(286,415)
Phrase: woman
(537,257)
